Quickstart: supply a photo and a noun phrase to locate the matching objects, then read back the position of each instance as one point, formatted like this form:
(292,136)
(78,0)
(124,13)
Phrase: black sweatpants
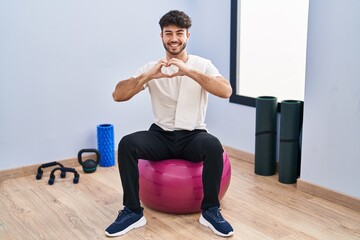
(157,144)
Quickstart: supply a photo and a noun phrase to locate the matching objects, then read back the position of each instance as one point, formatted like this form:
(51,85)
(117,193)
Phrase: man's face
(174,39)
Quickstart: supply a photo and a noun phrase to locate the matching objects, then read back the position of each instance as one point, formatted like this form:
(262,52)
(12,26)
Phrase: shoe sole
(204,222)
(141,222)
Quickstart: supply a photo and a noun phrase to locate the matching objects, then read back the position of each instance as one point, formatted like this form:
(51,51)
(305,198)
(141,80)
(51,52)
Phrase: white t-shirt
(165,93)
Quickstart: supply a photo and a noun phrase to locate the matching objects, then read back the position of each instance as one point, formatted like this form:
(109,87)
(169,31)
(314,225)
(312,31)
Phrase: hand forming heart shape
(169,70)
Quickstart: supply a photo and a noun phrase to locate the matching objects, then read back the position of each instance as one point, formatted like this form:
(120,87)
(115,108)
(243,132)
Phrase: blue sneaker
(212,218)
(125,221)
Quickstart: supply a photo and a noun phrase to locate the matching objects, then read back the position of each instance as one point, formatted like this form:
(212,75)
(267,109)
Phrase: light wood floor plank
(259,208)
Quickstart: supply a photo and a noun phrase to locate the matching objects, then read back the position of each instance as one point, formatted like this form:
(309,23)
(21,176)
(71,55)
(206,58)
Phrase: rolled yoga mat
(290,149)
(265,135)
(105,142)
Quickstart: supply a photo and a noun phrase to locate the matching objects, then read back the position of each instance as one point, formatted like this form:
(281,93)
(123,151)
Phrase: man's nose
(173,38)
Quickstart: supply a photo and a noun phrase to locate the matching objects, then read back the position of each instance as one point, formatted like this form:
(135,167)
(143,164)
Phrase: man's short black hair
(176,18)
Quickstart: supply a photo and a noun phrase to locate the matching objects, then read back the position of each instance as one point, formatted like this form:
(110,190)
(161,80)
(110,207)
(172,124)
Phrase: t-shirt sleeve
(212,70)
(143,70)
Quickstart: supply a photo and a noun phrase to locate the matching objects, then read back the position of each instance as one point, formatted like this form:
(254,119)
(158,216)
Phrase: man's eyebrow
(178,31)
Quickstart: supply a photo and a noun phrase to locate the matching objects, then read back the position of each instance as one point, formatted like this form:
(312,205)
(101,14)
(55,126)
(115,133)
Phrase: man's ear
(188,34)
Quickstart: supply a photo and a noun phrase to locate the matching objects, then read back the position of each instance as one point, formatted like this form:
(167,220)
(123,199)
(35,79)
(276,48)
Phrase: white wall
(60,61)
(331,143)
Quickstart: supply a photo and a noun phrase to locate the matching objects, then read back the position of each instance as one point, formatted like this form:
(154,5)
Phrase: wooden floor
(257,207)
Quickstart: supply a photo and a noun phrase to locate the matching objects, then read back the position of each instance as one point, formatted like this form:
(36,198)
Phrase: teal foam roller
(105,142)
(265,135)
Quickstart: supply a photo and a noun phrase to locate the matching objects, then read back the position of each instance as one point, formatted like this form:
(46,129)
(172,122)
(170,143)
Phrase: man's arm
(216,85)
(128,88)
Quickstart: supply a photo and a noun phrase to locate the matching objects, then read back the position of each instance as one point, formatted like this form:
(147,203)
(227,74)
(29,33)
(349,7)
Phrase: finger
(164,75)
(161,63)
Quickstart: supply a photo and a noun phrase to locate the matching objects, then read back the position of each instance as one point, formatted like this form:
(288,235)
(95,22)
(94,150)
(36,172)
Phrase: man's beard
(167,48)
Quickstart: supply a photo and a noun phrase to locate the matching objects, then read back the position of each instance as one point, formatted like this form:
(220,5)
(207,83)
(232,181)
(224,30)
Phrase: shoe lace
(123,214)
(215,212)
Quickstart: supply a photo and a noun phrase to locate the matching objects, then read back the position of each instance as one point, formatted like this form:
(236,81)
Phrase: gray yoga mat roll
(290,149)
(265,135)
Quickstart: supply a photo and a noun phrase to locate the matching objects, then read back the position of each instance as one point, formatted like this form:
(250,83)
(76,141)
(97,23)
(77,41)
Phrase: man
(179,86)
